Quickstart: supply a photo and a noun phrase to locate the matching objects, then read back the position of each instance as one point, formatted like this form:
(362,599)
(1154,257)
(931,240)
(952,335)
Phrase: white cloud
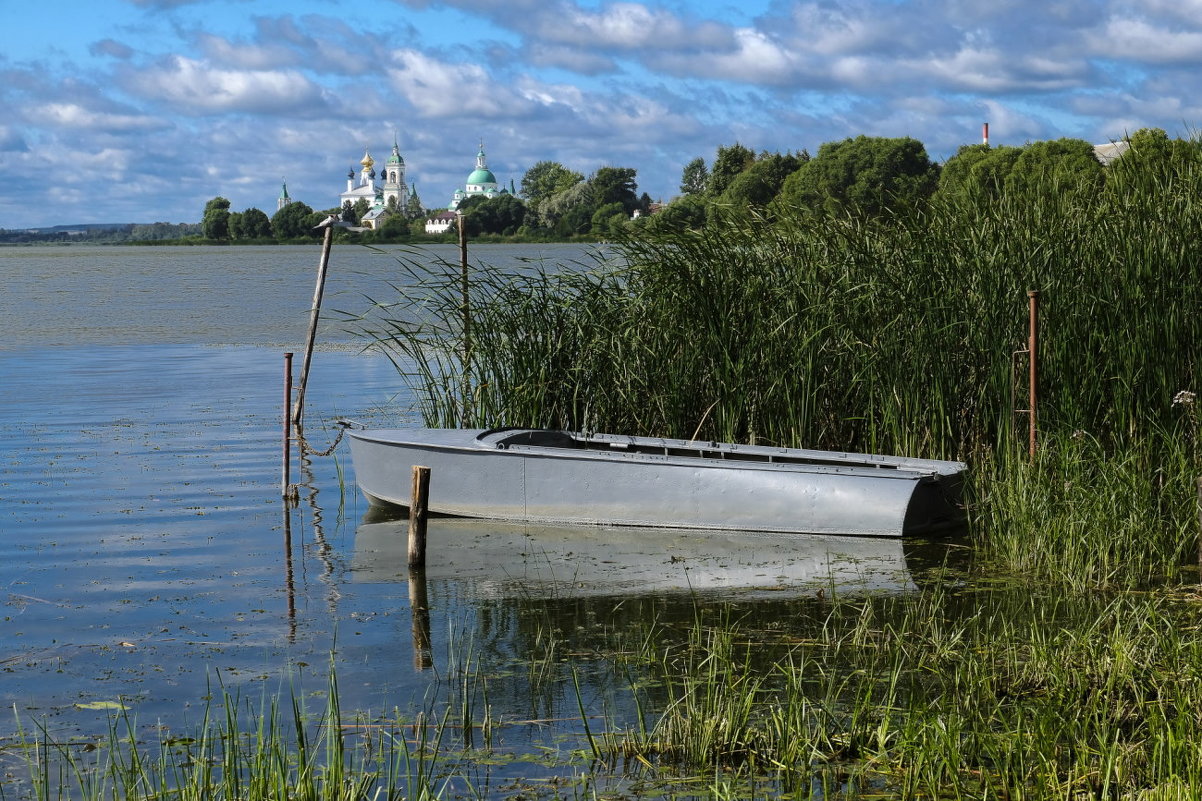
(993,70)
(73,115)
(197,87)
(441,89)
(1140,40)
(624,26)
(755,58)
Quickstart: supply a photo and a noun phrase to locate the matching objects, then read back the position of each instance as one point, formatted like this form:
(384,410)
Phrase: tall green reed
(856,333)
(847,332)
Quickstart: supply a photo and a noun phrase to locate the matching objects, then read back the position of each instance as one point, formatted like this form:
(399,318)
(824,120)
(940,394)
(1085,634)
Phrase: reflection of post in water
(419,609)
(289,582)
(324,552)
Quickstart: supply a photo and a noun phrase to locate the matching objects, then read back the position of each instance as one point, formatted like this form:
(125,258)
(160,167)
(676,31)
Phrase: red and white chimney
(985,133)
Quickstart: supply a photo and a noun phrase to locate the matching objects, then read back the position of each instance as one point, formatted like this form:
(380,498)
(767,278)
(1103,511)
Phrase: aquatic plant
(1000,692)
(239,751)
(855,333)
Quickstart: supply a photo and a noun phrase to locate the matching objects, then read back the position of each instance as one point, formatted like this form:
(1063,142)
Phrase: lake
(147,557)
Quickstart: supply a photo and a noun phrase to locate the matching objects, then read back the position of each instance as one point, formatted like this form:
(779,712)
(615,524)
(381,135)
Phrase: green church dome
(482,176)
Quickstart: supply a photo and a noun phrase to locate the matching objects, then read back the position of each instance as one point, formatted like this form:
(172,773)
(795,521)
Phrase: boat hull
(629,481)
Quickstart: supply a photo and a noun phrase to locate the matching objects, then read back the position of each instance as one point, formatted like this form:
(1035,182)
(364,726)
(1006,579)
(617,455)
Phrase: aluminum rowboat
(539,476)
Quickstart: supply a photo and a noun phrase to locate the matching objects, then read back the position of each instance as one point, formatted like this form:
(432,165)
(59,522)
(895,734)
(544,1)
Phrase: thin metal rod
(285,478)
(314,312)
(1032,379)
(466,310)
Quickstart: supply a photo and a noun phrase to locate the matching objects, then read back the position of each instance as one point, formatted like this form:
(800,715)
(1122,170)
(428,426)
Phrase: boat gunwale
(887,467)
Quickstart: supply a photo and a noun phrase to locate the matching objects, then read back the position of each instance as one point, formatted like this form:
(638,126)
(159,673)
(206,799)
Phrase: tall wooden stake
(314,312)
(285,478)
(419,496)
(1032,341)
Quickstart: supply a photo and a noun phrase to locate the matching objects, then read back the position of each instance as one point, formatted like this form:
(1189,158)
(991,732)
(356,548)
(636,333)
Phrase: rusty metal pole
(314,312)
(285,478)
(1032,341)
(419,497)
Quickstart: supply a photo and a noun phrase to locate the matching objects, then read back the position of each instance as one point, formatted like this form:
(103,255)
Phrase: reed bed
(1000,693)
(853,333)
(836,332)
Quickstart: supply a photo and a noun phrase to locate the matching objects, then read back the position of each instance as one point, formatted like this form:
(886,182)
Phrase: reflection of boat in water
(506,559)
(539,476)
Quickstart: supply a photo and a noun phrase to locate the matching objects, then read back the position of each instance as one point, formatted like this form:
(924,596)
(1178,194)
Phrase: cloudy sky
(142,110)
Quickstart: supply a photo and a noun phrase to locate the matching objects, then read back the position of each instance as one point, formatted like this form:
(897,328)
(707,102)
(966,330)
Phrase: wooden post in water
(419,497)
(285,478)
(314,311)
(419,612)
(1032,341)
(466,309)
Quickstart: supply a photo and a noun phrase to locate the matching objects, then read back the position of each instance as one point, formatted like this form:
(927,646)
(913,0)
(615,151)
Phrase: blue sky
(142,110)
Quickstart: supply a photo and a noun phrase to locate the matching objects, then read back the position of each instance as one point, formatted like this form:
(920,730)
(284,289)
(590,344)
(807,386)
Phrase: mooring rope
(307,448)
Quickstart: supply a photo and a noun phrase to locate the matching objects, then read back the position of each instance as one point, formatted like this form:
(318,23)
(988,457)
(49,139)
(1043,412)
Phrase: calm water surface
(145,552)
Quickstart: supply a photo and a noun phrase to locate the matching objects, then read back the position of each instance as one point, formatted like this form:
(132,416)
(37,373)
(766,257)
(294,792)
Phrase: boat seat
(543,439)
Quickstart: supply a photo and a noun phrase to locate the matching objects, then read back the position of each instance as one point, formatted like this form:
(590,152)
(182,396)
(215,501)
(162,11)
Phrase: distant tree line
(102,234)
(874,176)
(886,177)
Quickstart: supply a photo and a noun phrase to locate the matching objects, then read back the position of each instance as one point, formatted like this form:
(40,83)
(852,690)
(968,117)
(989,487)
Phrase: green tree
(684,213)
(293,221)
(978,170)
(728,163)
(552,209)
(694,177)
(759,184)
(395,228)
(413,207)
(361,207)
(235,225)
(609,219)
(1055,165)
(503,214)
(216,220)
(616,185)
(255,224)
(547,178)
(575,221)
(868,174)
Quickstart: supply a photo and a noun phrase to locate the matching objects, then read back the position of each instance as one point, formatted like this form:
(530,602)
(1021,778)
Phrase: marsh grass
(275,751)
(843,333)
(999,693)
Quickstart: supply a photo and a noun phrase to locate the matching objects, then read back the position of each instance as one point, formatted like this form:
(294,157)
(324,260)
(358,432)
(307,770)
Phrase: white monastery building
(384,199)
